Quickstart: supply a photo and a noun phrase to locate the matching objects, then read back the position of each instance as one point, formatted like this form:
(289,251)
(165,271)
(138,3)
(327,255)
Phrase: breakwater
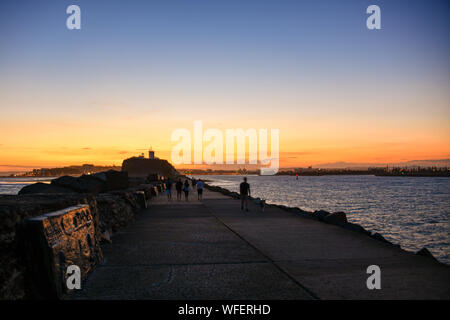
(274,234)
(210,249)
(412,212)
(338,218)
(113,208)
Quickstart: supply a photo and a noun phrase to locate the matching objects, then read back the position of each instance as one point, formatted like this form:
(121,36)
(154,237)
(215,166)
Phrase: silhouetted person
(186,190)
(169,189)
(179,187)
(200,189)
(244,189)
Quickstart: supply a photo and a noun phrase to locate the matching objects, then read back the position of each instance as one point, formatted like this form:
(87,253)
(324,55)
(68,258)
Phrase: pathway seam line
(308,291)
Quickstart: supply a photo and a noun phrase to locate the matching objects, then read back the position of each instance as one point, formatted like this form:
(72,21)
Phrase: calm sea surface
(13,185)
(411,211)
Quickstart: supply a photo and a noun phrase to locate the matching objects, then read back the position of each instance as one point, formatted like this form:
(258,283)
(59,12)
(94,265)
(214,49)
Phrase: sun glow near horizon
(335,90)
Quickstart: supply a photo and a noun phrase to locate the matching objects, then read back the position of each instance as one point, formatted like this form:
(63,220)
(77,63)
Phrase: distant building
(151,154)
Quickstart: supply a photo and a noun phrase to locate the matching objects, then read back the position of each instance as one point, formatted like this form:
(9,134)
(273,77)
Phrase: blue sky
(219,40)
(276,61)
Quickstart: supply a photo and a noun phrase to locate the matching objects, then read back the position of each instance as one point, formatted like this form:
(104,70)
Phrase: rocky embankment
(110,196)
(335,218)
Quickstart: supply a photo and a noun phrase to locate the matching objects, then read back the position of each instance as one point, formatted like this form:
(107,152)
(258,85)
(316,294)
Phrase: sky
(138,70)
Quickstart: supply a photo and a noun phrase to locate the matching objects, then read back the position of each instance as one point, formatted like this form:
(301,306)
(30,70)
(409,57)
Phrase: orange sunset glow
(337,92)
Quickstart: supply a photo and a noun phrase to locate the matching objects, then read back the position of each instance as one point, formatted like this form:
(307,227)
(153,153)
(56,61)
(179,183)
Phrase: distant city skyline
(11,169)
(138,70)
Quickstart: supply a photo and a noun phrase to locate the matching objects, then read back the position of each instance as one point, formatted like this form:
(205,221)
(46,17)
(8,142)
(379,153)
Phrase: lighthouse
(151,154)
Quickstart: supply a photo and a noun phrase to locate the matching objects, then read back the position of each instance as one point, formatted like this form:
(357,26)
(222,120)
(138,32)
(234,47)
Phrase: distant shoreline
(282,174)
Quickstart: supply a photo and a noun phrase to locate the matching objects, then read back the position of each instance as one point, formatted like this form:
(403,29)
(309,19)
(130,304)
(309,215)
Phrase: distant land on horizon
(333,165)
(421,163)
(60,171)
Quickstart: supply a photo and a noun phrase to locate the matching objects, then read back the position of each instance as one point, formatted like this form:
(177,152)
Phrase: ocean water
(411,211)
(13,185)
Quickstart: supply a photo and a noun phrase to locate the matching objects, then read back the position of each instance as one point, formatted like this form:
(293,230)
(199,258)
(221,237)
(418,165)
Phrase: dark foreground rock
(338,218)
(320,214)
(116,210)
(379,237)
(425,252)
(100,182)
(83,184)
(44,188)
(114,180)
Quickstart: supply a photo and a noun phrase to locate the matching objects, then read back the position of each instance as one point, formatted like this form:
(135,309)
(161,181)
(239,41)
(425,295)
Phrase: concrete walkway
(212,250)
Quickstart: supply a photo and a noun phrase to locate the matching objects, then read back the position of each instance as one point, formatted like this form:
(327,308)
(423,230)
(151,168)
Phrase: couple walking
(180,186)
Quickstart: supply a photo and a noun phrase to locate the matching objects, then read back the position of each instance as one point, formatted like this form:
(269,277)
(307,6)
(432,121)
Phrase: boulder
(302,213)
(320,214)
(147,189)
(43,188)
(355,227)
(425,252)
(141,199)
(117,209)
(235,195)
(379,237)
(66,182)
(100,175)
(116,180)
(226,192)
(83,184)
(337,218)
(91,184)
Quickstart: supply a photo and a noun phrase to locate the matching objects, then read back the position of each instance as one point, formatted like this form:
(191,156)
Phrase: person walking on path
(244,189)
(169,189)
(179,187)
(186,190)
(200,189)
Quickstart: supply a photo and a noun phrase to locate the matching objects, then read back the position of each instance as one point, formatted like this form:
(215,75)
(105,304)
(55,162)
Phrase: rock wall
(13,211)
(114,209)
(53,242)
